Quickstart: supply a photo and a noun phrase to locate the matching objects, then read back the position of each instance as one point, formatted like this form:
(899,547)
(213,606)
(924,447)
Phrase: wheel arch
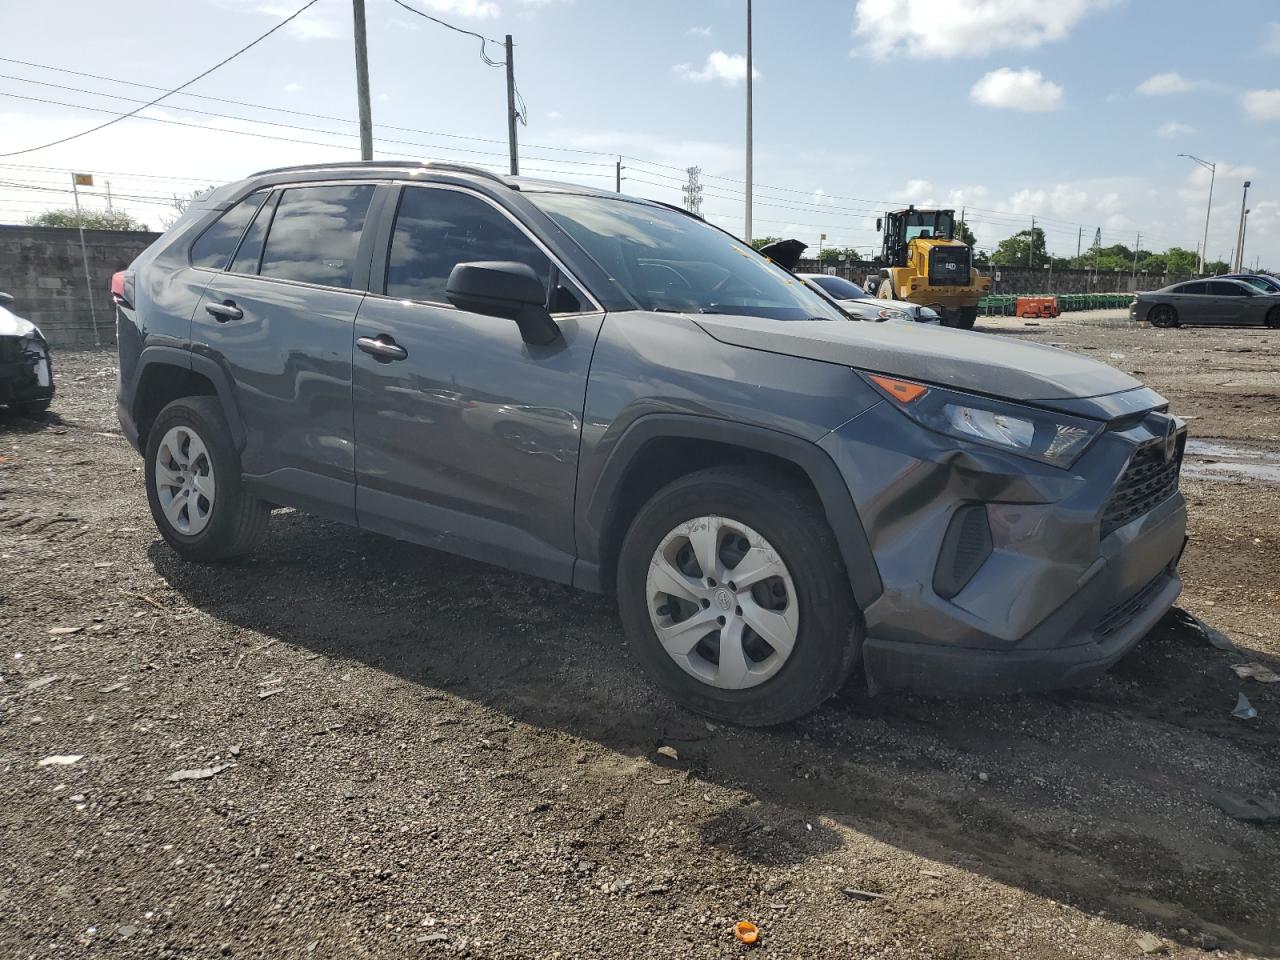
(658,448)
(166,374)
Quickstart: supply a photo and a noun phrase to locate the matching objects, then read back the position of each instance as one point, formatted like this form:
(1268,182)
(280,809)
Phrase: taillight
(121,284)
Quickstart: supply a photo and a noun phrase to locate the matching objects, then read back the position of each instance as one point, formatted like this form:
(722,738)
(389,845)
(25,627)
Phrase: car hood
(12,325)
(960,359)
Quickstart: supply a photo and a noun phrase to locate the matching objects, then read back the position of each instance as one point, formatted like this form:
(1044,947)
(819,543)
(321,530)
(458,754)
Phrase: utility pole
(79,180)
(747,218)
(362,82)
(109,209)
(1031,242)
(1136,247)
(617,175)
(1239,259)
(511,108)
(1079,240)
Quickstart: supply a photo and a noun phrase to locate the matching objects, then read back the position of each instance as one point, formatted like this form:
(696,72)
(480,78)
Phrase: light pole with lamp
(1240,233)
(1213,172)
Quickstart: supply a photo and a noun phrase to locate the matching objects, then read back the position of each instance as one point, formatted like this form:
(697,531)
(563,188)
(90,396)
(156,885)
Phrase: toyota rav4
(612,393)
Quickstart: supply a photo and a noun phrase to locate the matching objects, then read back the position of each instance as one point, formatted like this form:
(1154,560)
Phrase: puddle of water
(1218,460)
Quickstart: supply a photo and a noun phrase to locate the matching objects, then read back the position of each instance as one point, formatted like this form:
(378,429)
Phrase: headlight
(1053,438)
(888,314)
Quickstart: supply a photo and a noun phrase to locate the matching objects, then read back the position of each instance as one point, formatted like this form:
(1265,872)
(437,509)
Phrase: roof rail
(399,164)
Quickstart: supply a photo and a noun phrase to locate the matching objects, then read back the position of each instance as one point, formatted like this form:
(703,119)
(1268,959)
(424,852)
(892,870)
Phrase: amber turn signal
(904,391)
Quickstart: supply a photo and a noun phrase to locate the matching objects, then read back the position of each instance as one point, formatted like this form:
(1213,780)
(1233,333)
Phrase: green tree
(180,204)
(1012,251)
(964,234)
(834,255)
(759,242)
(89,219)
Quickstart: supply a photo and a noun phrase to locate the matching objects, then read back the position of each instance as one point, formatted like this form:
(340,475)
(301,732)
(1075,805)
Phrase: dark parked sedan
(1218,301)
(26,375)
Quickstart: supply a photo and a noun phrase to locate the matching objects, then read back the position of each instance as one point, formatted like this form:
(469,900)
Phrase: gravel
(345,746)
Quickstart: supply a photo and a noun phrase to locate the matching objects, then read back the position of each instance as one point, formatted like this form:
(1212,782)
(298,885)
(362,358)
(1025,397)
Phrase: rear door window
(214,247)
(1224,289)
(315,234)
(438,229)
(1191,288)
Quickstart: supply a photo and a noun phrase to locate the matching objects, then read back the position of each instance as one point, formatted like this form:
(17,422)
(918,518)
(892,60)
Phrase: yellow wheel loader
(925,264)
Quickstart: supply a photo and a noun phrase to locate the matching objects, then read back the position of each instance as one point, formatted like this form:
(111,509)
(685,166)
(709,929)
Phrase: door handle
(382,348)
(222,312)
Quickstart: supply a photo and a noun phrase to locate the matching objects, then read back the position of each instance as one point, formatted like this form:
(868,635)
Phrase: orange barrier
(1037,306)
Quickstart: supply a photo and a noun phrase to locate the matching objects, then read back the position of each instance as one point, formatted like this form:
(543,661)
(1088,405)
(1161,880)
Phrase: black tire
(237,520)
(1273,318)
(1163,316)
(967,317)
(828,641)
(33,408)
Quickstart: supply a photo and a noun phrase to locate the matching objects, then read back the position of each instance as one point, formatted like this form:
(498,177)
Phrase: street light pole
(1240,233)
(1213,173)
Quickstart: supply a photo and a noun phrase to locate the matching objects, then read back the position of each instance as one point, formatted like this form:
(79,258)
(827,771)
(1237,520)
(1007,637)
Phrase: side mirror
(502,288)
(6,299)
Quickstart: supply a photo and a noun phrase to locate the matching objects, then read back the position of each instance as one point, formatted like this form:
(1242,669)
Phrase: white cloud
(952,28)
(314,24)
(1173,129)
(477,9)
(698,32)
(553,115)
(917,192)
(1024,89)
(1162,84)
(728,68)
(292,87)
(1262,104)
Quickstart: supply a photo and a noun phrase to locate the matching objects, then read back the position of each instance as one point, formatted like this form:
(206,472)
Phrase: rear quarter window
(213,248)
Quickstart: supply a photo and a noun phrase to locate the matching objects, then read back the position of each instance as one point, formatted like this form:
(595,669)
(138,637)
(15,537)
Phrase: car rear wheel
(1273,318)
(734,597)
(194,487)
(1162,315)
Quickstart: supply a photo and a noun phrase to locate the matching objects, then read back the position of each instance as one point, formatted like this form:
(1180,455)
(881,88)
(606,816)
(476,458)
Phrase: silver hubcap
(722,602)
(184,480)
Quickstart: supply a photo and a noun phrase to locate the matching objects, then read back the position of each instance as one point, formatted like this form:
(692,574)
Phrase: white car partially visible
(858,303)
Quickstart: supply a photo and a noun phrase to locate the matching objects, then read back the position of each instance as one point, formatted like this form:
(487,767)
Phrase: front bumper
(26,370)
(1058,599)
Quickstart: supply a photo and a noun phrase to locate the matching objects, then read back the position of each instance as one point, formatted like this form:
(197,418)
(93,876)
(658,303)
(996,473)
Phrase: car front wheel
(1163,316)
(194,487)
(734,596)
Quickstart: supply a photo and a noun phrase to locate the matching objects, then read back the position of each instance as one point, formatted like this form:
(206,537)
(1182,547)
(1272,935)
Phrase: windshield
(929,223)
(669,261)
(839,287)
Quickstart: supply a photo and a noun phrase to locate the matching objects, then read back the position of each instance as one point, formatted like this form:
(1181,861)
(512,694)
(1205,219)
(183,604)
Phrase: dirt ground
(421,756)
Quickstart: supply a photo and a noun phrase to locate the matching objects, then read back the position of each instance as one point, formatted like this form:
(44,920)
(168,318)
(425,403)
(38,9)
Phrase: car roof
(433,171)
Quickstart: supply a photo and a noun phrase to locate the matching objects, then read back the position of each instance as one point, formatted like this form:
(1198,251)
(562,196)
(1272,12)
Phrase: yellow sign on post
(82,179)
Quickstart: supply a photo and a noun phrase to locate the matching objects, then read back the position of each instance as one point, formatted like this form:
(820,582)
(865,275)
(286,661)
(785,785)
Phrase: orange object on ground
(1037,307)
(746,931)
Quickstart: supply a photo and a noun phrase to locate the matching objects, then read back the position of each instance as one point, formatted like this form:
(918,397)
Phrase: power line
(199,76)
(484,41)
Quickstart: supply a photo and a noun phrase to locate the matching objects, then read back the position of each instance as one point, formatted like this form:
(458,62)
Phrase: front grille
(10,349)
(1122,614)
(949,266)
(1147,482)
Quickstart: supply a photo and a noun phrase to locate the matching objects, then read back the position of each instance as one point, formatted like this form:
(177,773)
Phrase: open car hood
(785,253)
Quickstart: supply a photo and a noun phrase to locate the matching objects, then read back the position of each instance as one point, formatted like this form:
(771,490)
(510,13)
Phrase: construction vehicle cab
(925,264)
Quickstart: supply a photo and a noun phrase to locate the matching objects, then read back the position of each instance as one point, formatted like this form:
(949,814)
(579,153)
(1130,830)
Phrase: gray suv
(612,393)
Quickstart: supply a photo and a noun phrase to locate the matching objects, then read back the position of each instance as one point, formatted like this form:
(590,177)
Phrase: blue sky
(1072,110)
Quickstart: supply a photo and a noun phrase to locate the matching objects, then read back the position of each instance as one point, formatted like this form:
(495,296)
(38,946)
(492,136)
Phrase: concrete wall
(1023,280)
(41,267)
